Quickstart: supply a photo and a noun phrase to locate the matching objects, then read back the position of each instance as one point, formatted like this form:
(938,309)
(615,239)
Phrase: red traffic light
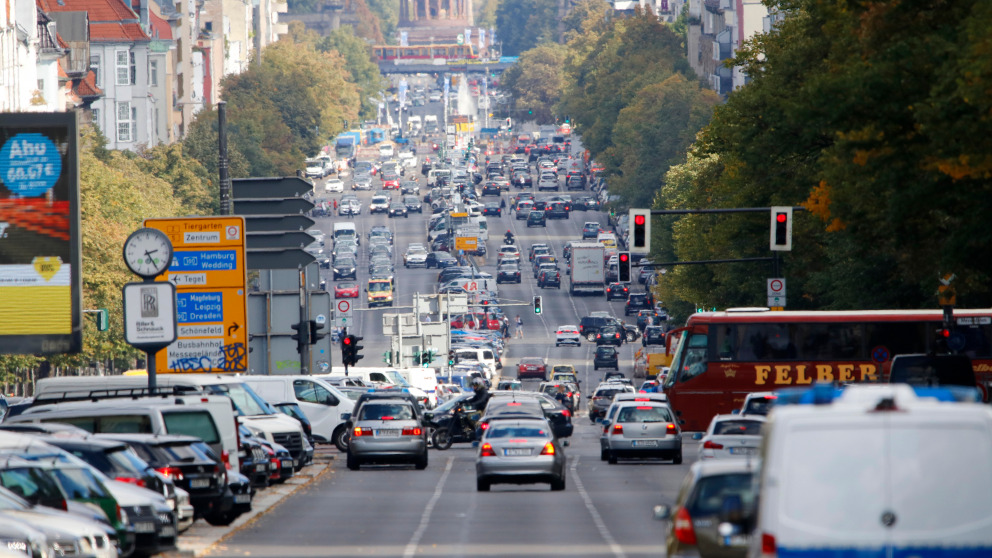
(638,219)
(624,257)
(346,340)
(781,217)
(945,333)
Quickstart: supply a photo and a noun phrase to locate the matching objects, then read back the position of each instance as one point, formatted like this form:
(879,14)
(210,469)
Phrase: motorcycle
(456,428)
(508,239)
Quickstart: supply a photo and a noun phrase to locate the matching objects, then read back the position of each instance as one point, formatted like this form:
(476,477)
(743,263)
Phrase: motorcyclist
(508,238)
(477,402)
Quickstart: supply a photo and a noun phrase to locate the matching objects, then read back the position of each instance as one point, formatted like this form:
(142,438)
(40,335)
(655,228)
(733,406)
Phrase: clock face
(148,252)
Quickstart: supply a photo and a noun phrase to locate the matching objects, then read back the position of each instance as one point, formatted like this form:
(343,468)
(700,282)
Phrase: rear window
(117,424)
(758,406)
(738,428)
(79,484)
(711,491)
(381,411)
(644,413)
(196,423)
(608,392)
(917,465)
(518,432)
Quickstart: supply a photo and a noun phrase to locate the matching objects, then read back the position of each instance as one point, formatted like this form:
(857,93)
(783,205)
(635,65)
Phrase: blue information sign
(204,260)
(197,308)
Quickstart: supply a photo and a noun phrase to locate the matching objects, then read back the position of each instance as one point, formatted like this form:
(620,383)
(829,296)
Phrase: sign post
(209,272)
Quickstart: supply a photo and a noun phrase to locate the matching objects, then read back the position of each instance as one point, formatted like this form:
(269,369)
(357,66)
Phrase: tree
(360,64)
(524,24)
(536,81)
(388,14)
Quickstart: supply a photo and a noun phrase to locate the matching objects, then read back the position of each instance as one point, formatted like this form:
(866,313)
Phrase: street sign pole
(304,318)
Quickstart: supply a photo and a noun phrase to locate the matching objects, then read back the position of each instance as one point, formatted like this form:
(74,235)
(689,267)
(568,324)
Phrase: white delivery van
(424,379)
(345,231)
(882,470)
(320,401)
(252,410)
(480,355)
(208,417)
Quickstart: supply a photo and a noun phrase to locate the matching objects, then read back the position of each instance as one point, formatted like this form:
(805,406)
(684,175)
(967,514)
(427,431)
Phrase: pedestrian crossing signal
(537,305)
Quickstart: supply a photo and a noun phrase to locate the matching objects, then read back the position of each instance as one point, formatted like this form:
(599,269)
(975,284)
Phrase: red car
(475,321)
(532,367)
(390,182)
(346,290)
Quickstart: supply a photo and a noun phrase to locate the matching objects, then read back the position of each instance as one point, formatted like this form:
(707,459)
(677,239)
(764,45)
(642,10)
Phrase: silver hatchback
(521,451)
(642,429)
(387,431)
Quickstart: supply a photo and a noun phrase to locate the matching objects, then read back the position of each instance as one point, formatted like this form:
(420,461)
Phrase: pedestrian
(335,204)
(502,203)
(519,333)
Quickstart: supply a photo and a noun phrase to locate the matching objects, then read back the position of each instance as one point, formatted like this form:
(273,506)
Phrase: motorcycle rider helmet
(478,384)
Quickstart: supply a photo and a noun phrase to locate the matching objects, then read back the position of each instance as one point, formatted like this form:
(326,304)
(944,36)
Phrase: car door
(320,406)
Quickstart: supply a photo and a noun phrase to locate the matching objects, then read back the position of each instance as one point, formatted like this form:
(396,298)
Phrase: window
(134,69)
(96,117)
(123,72)
(153,72)
(124,124)
(694,360)
(194,423)
(95,66)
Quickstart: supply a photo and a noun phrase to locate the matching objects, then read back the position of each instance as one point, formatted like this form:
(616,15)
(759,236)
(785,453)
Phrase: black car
(536,218)
(548,278)
(617,290)
(557,414)
(557,210)
(585,203)
(647,318)
(441,243)
(508,273)
(492,208)
(491,189)
(441,260)
(606,356)
(345,267)
(413,205)
(635,302)
(653,335)
(610,335)
(397,210)
(589,326)
(411,187)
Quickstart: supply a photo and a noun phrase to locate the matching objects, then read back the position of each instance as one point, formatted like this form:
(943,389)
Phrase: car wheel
(222,519)
(353,463)
(341,438)
(611,458)
(558,484)
(481,485)
(630,338)
(421,463)
(604,454)
(590,337)
(678,458)
(594,367)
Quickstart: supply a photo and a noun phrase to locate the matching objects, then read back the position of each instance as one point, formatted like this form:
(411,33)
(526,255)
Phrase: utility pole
(225,178)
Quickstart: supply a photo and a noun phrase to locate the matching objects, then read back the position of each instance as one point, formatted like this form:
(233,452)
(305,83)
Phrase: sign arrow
(232,328)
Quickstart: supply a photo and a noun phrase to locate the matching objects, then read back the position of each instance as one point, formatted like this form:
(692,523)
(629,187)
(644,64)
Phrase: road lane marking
(425,517)
(596,518)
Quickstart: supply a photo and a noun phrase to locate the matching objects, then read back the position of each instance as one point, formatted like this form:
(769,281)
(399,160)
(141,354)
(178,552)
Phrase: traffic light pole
(305,323)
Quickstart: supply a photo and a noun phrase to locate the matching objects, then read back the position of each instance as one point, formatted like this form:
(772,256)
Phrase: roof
(110,20)
(160,27)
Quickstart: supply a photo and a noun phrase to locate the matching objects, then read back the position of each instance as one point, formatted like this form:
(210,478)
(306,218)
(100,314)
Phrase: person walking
(519,333)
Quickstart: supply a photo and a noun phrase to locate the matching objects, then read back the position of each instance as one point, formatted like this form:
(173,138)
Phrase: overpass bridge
(388,67)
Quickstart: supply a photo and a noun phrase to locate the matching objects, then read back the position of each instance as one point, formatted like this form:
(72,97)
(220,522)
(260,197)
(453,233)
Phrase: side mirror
(697,435)
(662,513)
(345,416)
(606,423)
(429,415)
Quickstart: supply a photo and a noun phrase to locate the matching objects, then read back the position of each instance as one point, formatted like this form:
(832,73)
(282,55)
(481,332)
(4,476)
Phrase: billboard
(40,281)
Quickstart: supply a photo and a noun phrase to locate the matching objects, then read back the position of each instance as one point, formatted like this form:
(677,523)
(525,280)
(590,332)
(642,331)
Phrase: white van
(320,401)
(882,470)
(252,410)
(383,377)
(345,231)
(208,417)
(424,379)
(483,356)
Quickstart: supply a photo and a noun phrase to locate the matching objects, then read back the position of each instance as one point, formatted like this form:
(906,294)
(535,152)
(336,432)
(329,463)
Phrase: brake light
(549,449)
(683,527)
(566,413)
(670,429)
(387,418)
(131,480)
(484,426)
(225,457)
(173,473)
(487,451)
(768,546)
(416,431)
(618,429)
(710,445)
(641,398)
(513,404)
(358,432)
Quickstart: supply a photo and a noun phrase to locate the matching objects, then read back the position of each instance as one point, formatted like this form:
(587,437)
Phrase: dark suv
(606,357)
(589,326)
(635,302)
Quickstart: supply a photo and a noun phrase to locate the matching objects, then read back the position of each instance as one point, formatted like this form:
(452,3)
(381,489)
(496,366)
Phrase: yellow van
(379,292)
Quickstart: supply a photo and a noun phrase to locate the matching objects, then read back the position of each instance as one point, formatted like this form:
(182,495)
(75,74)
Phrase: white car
(415,256)
(380,204)
(334,185)
(568,335)
(386,150)
(507,250)
(407,159)
(732,436)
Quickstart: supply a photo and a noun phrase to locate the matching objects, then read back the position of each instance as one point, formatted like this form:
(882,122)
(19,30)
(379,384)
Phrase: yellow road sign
(468,243)
(209,271)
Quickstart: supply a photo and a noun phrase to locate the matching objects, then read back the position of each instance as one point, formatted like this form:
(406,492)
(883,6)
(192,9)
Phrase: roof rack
(119,393)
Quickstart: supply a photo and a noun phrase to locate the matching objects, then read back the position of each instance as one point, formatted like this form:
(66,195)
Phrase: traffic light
(102,320)
(640,231)
(315,334)
(302,336)
(349,350)
(537,305)
(624,261)
(942,335)
(781,229)
(451,358)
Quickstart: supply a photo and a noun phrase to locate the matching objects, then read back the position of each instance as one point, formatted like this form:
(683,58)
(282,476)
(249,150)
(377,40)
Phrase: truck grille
(292,441)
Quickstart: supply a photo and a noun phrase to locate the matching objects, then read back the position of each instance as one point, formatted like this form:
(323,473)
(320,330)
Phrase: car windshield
(738,428)
(380,287)
(384,411)
(518,432)
(246,401)
(644,413)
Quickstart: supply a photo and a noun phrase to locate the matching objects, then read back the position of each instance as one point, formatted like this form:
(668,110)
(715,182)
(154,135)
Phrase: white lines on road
(425,517)
(596,518)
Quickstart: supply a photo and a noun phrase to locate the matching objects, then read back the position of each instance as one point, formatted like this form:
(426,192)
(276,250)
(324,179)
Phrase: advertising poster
(40,285)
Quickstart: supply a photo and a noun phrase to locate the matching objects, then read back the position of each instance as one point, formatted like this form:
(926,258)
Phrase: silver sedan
(642,429)
(730,436)
(387,430)
(520,451)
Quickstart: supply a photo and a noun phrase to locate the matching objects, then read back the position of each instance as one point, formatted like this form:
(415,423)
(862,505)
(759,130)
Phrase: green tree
(388,14)
(361,66)
(536,82)
(523,24)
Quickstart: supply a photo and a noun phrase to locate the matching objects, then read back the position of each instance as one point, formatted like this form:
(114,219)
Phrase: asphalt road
(398,511)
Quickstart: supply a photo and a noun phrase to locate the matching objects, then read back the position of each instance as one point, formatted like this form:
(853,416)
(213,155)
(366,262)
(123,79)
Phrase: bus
(424,52)
(720,357)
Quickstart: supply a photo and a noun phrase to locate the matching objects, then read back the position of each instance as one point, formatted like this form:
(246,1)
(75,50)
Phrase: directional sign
(467,243)
(278,258)
(269,206)
(294,239)
(209,271)
(286,187)
(278,223)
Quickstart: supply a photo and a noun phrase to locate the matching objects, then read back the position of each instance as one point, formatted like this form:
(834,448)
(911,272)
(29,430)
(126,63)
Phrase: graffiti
(192,364)
(280,364)
(233,358)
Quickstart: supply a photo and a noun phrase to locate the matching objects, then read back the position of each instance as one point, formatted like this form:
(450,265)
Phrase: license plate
(242,498)
(144,527)
(387,433)
(743,451)
(199,483)
(738,540)
(516,451)
(261,467)
(167,531)
(646,443)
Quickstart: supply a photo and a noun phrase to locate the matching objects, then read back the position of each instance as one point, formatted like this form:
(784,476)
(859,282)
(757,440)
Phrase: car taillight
(670,429)
(131,480)
(416,431)
(768,547)
(711,445)
(618,429)
(487,451)
(566,413)
(225,457)
(276,466)
(598,336)
(549,449)
(173,473)
(358,432)
(683,527)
